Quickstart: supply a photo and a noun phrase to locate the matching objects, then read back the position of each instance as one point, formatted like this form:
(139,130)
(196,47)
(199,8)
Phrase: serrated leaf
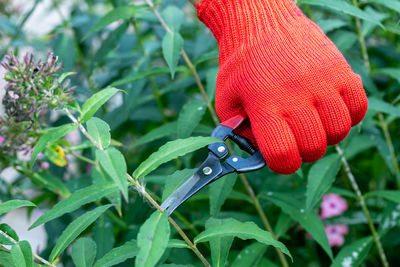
(10,232)
(343,6)
(382,106)
(100,131)
(152,239)
(244,231)
(219,192)
(84,252)
(91,105)
(173,17)
(14,204)
(164,130)
(21,254)
(74,229)
(390,195)
(189,117)
(75,201)
(219,246)
(353,254)
(173,181)
(118,255)
(309,221)
(122,12)
(113,162)
(170,151)
(320,178)
(51,135)
(50,182)
(172,45)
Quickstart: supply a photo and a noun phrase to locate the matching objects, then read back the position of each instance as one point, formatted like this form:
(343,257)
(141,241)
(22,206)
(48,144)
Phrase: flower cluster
(334,205)
(31,88)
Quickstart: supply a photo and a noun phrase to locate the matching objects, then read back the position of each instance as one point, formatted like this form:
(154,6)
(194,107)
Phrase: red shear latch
(236,121)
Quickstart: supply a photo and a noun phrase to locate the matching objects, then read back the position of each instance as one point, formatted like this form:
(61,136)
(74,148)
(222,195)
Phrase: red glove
(296,87)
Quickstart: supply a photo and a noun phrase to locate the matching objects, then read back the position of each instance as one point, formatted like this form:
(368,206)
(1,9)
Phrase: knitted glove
(278,66)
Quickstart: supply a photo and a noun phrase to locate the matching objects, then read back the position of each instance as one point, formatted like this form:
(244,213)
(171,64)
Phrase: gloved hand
(295,86)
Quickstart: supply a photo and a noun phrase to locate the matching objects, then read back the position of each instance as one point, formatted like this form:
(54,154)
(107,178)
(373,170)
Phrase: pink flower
(336,234)
(332,205)
(1,139)
(44,165)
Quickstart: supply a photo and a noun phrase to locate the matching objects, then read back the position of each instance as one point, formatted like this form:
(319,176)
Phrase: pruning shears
(215,166)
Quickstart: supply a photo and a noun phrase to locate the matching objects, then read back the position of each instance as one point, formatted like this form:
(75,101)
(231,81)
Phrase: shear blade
(185,191)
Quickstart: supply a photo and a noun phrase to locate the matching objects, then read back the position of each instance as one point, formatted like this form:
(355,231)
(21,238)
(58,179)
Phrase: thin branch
(143,192)
(381,118)
(34,254)
(364,207)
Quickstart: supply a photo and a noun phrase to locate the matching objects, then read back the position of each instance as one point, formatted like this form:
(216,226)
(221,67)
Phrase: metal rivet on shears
(221,149)
(207,170)
(235,159)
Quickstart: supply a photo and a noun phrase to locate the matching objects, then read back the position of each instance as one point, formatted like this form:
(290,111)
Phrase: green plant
(143,104)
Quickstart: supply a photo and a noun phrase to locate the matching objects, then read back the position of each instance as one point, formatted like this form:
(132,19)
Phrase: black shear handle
(225,130)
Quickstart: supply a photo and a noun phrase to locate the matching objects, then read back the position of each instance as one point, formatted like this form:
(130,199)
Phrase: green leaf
(176,243)
(382,106)
(390,195)
(189,117)
(170,151)
(21,254)
(329,25)
(100,131)
(114,164)
(111,42)
(250,255)
(391,72)
(74,229)
(75,201)
(211,79)
(343,6)
(173,181)
(122,12)
(51,135)
(164,130)
(309,221)
(391,4)
(91,105)
(142,74)
(6,259)
(118,255)
(173,17)
(219,246)
(219,192)
(172,45)
(320,178)
(84,252)
(14,204)
(390,218)
(10,232)
(152,239)
(50,182)
(244,231)
(353,254)
(103,235)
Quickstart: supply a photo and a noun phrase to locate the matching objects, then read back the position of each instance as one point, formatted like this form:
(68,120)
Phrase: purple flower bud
(1,139)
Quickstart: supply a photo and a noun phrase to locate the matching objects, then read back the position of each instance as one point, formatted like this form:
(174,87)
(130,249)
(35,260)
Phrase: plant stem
(365,210)
(34,254)
(216,120)
(143,192)
(85,159)
(382,122)
(153,84)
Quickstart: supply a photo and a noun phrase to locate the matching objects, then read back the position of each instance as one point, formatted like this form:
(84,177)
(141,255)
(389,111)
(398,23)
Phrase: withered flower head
(32,87)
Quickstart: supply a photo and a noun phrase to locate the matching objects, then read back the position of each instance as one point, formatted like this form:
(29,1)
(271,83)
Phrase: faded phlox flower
(336,233)
(32,86)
